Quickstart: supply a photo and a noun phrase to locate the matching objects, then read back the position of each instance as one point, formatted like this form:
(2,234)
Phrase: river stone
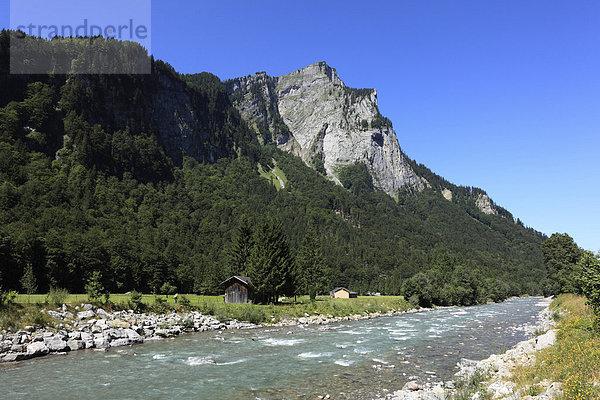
(117,323)
(11,357)
(37,349)
(17,348)
(101,342)
(75,344)
(75,335)
(501,389)
(87,339)
(133,335)
(412,385)
(100,312)
(85,314)
(56,343)
(55,314)
(120,342)
(161,332)
(546,340)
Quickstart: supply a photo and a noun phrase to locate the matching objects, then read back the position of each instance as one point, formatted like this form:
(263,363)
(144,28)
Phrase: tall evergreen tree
(310,265)
(270,263)
(242,246)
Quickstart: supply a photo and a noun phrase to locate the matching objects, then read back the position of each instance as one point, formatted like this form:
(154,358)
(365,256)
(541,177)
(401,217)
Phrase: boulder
(86,314)
(411,386)
(120,342)
(55,314)
(37,349)
(117,323)
(100,312)
(101,342)
(546,340)
(11,357)
(501,389)
(56,343)
(133,335)
(87,339)
(76,344)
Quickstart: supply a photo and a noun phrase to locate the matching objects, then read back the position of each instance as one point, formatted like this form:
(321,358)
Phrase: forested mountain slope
(146,178)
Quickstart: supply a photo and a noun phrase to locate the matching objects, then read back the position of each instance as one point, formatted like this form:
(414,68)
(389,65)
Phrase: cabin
(342,293)
(237,289)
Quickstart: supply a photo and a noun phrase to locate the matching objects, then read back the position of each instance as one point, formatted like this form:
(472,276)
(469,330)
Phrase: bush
(160,305)
(7,298)
(590,282)
(57,295)
(185,302)
(135,301)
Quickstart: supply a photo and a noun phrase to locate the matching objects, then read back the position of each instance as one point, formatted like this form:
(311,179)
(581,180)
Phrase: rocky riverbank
(494,370)
(90,327)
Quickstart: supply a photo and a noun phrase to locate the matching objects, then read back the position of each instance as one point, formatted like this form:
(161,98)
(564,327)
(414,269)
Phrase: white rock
(56,343)
(37,349)
(546,340)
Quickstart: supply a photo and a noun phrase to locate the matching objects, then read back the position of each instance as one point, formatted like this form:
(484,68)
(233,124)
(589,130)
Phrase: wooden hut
(342,293)
(237,289)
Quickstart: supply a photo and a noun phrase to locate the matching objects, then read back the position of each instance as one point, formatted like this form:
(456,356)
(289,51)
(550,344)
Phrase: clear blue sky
(503,95)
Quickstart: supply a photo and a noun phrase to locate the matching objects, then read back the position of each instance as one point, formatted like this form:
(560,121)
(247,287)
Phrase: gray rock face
(485,204)
(311,113)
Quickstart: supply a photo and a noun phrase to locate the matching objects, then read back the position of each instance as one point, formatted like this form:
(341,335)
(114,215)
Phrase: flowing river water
(348,360)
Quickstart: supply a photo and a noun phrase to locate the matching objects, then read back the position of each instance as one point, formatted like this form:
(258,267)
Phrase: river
(348,360)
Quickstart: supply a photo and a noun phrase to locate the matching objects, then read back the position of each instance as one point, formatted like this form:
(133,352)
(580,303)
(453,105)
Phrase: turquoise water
(350,360)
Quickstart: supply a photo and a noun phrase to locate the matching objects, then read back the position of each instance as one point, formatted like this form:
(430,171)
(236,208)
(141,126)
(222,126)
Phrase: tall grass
(575,358)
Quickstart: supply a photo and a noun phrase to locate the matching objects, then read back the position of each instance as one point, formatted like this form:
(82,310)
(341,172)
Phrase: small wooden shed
(343,293)
(237,289)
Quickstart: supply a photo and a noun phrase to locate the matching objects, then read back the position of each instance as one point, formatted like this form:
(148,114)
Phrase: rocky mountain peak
(313,114)
(319,69)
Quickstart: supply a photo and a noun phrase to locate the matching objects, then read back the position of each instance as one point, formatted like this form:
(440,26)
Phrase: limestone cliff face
(485,204)
(311,113)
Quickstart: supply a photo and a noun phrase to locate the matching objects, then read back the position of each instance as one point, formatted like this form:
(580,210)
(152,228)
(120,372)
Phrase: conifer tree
(310,265)
(270,263)
(28,281)
(240,251)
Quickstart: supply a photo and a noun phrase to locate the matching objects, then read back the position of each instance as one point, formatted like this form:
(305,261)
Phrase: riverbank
(491,378)
(86,326)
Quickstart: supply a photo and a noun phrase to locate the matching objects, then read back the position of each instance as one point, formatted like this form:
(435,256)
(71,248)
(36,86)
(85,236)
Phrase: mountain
(312,114)
(147,178)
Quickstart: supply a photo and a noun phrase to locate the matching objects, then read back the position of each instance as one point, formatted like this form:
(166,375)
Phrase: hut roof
(243,279)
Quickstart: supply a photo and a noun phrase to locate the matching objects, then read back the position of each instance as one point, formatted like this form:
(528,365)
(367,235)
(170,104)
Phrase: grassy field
(26,308)
(575,358)
(149,299)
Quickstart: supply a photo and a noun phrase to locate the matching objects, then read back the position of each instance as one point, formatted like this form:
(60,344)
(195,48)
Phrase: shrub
(7,298)
(184,302)
(135,301)
(57,295)
(160,305)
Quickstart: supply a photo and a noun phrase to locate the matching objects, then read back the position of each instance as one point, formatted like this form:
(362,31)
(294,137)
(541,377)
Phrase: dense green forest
(93,179)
